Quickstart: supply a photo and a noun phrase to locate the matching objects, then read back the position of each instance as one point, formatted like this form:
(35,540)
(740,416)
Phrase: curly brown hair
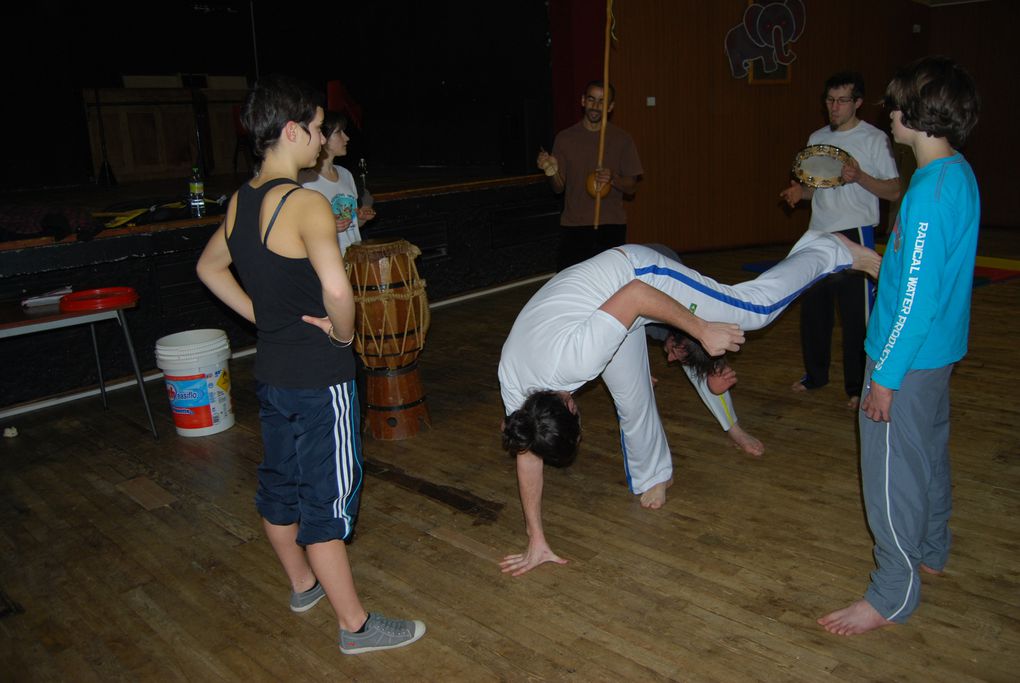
(937,96)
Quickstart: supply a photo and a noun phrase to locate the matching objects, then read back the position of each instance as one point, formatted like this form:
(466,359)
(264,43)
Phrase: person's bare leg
(928,570)
(865,260)
(860,617)
(291,555)
(745,441)
(329,561)
(655,497)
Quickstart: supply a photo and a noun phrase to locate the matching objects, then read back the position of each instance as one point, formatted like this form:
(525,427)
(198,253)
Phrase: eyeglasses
(841,100)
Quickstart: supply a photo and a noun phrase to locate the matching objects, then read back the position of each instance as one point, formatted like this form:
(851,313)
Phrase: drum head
(820,165)
(369,251)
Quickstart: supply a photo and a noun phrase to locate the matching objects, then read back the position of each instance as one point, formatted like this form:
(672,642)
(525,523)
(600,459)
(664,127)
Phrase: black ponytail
(546,427)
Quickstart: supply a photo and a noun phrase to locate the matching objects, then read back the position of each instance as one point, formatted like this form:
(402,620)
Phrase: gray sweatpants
(907,490)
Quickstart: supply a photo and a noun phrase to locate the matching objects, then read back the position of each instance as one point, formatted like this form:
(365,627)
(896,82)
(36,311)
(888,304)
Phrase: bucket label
(189,401)
(200,401)
(219,395)
(224,381)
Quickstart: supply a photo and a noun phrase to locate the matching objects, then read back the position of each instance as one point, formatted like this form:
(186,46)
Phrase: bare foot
(865,260)
(928,570)
(655,497)
(854,403)
(860,617)
(745,441)
(798,386)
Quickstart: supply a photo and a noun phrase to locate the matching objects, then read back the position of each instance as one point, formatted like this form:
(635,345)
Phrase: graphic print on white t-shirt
(345,206)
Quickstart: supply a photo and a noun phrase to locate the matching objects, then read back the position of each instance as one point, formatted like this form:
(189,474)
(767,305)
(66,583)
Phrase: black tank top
(291,353)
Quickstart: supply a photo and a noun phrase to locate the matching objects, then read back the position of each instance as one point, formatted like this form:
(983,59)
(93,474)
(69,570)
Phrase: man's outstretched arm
(529,482)
(636,299)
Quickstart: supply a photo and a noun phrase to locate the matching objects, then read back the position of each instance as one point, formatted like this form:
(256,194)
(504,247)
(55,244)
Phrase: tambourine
(821,165)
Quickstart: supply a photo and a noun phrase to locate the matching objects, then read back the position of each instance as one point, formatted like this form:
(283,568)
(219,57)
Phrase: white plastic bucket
(194,365)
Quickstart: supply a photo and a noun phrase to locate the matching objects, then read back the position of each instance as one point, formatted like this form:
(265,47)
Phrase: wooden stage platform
(126,559)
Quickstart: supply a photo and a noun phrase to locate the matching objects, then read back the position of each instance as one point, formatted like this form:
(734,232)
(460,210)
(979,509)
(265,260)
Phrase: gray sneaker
(381,633)
(302,602)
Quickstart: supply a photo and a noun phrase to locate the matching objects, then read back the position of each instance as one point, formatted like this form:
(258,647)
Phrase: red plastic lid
(98,299)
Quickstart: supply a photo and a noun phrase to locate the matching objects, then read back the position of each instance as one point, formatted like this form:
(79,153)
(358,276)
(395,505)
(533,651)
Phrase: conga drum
(391,320)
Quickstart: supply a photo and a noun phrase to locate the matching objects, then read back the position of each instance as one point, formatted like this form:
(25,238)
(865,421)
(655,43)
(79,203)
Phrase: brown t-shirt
(576,150)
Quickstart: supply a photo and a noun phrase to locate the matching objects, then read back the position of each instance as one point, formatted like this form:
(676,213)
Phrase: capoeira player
(713,388)
(589,321)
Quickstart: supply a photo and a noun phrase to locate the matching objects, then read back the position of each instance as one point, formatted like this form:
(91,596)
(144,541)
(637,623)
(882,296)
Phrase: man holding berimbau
(573,161)
(849,208)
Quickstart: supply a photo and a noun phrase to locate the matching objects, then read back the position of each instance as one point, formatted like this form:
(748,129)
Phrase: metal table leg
(99,366)
(138,373)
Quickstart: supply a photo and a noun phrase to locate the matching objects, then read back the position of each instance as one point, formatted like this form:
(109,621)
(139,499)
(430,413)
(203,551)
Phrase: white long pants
(720,405)
(752,305)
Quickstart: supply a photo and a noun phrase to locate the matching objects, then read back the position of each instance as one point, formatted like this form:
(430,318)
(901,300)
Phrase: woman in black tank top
(297,294)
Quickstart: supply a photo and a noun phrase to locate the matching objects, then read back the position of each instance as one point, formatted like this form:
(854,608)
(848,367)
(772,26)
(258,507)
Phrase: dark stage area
(475,229)
(407,74)
(124,104)
(448,142)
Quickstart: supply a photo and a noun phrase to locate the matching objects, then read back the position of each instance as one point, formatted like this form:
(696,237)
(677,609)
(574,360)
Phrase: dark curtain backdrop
(455,82)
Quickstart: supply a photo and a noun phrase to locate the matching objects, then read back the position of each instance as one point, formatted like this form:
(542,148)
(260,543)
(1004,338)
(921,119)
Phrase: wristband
(340,343)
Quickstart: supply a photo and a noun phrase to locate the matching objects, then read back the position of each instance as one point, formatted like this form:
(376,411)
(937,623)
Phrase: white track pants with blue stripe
(752,305)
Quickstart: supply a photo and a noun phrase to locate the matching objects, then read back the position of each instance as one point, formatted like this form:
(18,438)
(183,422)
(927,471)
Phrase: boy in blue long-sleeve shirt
(918,330)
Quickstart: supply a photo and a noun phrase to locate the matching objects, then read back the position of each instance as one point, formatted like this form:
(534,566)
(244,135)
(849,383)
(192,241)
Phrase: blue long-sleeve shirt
(922,313)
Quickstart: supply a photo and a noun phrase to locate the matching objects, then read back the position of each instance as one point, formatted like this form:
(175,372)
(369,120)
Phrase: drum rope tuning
(392,319)
(393,316)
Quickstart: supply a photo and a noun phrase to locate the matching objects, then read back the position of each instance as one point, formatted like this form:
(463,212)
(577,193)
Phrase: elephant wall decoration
(765,35)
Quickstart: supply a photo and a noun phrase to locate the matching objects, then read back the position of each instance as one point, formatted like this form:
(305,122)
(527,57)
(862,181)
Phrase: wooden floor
(126,559)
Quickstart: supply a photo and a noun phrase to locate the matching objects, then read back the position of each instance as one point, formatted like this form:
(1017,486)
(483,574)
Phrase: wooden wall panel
(716,150)
(150,133)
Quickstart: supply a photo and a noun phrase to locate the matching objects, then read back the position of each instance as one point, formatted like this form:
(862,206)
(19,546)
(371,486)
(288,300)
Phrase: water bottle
(196,193)
(365,198)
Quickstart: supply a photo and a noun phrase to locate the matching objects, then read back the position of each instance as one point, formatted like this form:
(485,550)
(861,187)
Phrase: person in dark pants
(850,209)
(851,293)
(290,283)
(573,159)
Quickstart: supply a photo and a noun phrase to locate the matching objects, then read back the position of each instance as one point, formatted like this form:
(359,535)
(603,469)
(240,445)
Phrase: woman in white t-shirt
(336,183)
